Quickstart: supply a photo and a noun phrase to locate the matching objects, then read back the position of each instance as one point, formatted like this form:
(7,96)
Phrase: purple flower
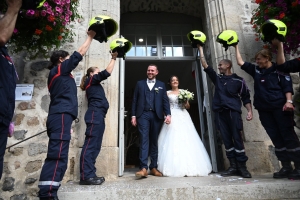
(30,13)
(43,13)
(58,9)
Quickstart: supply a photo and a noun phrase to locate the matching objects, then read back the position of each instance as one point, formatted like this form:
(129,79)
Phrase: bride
(180,150)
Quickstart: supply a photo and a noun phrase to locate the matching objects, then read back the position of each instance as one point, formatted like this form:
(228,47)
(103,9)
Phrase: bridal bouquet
(185,95)
(43,29)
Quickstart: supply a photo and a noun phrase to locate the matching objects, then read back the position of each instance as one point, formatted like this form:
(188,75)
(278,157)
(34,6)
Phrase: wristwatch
(290,101)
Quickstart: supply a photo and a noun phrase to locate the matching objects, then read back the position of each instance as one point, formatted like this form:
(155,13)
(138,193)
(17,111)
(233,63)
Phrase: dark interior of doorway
(137,70)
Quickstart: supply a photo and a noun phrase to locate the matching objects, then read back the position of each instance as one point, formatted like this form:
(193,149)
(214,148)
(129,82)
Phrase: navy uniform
(94,119)
(270,87)
(290,66)
(229,92)
(8,79)
(63,110)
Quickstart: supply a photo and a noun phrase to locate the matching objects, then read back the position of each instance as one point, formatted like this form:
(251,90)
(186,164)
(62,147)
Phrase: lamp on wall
(141,40)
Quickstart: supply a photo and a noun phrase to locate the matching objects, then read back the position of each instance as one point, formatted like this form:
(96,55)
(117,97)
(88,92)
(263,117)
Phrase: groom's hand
(168,119)
(133,121)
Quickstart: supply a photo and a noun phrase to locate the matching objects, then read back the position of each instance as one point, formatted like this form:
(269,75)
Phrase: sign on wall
(24,92)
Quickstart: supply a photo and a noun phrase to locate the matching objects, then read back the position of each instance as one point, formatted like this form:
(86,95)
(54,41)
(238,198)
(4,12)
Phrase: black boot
(284,171)
(232,170)
(242,170)
(295,174)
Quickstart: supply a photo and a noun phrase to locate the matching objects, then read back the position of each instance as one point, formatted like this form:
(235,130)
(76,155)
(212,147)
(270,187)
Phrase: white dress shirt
(151,83)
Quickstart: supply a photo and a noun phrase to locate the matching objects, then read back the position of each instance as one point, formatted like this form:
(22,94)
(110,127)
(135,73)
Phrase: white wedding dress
(180,150)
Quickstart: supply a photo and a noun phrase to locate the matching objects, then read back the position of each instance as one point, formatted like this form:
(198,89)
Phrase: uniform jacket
(290,66)
(162,106)
(8,78)
(97,102)
(229,91)
(62,87)
(270,86)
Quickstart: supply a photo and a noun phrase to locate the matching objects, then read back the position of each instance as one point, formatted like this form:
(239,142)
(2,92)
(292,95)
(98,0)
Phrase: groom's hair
(153,65)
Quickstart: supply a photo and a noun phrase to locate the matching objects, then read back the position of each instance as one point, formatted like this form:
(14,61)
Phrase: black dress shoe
(49,198)
(91,181)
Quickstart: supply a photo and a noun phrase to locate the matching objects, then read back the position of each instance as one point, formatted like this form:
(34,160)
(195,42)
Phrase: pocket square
(160,88)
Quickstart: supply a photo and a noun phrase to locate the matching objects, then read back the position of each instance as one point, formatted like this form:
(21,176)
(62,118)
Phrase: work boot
(242,170)
(142,173)
(284,171)
(232,170)
(295,174)
(91,181)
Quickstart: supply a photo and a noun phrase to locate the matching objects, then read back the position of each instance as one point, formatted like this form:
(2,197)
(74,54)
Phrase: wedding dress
(180,150)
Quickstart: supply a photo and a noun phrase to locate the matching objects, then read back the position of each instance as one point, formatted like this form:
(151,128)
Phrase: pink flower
(43,13)
(15,31)
(58,9)
(30,13)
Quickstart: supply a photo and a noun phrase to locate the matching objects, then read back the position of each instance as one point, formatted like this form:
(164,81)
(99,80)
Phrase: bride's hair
(170,79)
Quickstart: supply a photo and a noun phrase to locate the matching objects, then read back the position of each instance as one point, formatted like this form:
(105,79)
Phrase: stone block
(19,197)
(45,103)
(39,83)
(20,135)
(30,181)
(8,184)
(33,166)
(37,148)
(33,121)
(18,118)
(17,164)
(17,151)
(40,65)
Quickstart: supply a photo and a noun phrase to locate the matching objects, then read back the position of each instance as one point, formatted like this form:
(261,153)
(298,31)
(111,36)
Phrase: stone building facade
(23,162)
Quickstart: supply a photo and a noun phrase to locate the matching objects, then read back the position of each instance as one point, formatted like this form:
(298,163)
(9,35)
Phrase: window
(158,41)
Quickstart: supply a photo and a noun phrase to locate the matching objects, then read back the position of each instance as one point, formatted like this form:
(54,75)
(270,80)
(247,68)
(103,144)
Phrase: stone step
(212,187)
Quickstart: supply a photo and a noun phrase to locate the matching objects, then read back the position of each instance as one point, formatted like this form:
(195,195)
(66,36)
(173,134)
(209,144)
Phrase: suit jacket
(162,106)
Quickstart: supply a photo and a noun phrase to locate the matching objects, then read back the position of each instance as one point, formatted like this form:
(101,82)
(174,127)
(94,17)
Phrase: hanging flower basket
(288,11)
(44,29)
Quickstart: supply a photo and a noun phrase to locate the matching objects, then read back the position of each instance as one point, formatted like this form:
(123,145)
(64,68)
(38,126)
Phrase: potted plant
(288,11)
(43,29)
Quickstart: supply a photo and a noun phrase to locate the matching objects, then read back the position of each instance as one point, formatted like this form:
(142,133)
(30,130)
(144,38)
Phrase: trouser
(279,125)
(149,126)
(3,142)
(56,162)
(230,125)
(91,148)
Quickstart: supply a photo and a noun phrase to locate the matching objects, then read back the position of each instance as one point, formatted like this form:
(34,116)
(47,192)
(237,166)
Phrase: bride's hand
(186,105)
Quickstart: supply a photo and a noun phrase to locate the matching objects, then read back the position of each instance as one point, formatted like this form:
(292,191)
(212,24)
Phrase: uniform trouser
(3,142)
(91,149)
(56,162)
(230,125)
(279,125)
(149,126)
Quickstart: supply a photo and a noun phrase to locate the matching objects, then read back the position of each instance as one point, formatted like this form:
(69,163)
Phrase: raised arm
(280,59)
(238,56)
(111,65)
(202,58)
(8,22)
(85,46)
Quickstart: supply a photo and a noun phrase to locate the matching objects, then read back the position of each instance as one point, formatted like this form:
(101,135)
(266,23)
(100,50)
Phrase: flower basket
(287,11)
(44,29)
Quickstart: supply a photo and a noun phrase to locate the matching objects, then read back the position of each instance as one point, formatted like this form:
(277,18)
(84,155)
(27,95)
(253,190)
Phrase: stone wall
(23,162)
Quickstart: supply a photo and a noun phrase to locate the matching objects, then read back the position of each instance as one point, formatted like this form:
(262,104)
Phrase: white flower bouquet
(184,96)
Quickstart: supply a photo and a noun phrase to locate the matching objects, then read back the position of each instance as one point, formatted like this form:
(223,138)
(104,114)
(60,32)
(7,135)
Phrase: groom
(149,105)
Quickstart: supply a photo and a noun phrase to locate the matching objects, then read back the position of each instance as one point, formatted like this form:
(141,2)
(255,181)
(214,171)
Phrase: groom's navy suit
(149,108)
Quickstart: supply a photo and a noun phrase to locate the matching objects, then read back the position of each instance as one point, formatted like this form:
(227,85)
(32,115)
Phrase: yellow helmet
(32,4)
(196,37)
(273,28)
(228,38)
(104,26)
(121,45)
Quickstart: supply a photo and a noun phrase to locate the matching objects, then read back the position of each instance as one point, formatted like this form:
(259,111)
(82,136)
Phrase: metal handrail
(76,121)
(25,140)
